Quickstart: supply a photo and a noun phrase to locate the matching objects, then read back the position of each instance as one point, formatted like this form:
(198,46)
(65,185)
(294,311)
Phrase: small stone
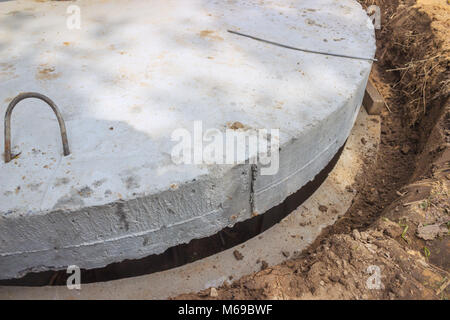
(264,265)
(393,231)
(356,234)
(322,283)
(238,255)
(377,234)
(323,208)
(430,232)
(213,293)
(364,236)
(405,149)
(371,247)
(334,278)
(363,141)
(236,125)
(285,253)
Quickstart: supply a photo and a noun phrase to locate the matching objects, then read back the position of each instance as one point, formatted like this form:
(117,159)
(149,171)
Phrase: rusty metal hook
(14,102)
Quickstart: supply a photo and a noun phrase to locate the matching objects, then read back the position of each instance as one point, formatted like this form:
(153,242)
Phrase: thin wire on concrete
(300,49)
(13,103)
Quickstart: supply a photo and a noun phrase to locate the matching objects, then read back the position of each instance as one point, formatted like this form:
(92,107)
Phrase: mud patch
(209,34)
(45,72)
(85,192)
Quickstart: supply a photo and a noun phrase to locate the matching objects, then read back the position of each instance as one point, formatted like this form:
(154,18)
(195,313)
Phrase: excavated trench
(408,35)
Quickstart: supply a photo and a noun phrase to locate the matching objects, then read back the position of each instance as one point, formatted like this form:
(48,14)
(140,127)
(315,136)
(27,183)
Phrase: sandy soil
(393,243)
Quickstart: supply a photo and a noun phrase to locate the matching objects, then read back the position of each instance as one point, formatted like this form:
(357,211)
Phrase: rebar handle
(14,102)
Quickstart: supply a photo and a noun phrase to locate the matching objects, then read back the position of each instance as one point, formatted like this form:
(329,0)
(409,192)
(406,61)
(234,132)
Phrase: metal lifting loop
(55,109)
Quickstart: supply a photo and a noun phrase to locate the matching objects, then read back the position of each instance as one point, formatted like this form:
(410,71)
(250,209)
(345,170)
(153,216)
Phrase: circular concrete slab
(292,235)
(131,76)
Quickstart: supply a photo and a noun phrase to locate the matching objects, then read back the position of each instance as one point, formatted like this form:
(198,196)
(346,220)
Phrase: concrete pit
(135,73)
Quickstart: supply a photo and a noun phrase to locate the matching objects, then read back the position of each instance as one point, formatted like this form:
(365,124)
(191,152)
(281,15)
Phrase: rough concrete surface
(124,82)
(282,242)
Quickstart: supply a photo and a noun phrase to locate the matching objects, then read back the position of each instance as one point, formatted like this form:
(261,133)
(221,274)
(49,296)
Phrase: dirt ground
(393,243)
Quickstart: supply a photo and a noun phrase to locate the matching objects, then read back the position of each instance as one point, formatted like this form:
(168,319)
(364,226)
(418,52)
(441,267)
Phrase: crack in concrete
(253,175)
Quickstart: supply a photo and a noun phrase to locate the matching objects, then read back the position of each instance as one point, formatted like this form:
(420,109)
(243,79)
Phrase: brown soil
(399,220)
